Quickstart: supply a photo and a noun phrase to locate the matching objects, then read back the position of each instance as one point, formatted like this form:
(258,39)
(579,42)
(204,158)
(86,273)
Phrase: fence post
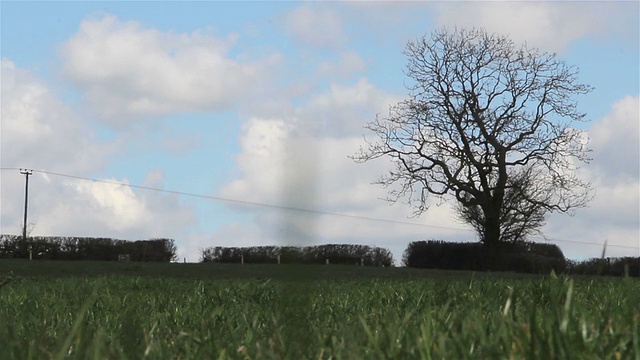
(278,259)
(327,262)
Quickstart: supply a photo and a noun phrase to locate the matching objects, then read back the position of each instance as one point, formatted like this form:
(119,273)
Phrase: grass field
(91,310)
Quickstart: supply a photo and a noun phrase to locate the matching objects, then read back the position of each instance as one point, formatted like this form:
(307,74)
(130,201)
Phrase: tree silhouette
(490,125)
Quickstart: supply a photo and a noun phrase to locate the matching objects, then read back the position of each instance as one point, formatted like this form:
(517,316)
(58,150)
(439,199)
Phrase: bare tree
(489,124)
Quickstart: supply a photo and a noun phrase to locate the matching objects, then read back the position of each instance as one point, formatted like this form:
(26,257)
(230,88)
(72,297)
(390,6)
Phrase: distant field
(51,268)
(96,310)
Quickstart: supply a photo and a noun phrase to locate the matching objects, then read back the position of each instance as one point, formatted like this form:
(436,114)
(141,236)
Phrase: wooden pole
(26,173)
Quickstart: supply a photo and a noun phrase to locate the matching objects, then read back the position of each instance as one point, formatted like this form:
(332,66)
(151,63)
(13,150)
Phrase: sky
(242,116)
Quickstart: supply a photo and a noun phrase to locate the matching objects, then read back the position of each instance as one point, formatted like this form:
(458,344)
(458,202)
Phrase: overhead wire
(288,208)
(243,202)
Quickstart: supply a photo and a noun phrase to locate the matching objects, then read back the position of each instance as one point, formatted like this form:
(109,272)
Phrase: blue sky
(263,102)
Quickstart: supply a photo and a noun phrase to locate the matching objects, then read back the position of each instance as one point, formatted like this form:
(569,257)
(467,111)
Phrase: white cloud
(107,206)
(614,213)
(346,65)
(615,140)
(127,71)
(262,140)
(343,110)
(548,25)
(307,147)
(72,207)
(41,132)
(315,25)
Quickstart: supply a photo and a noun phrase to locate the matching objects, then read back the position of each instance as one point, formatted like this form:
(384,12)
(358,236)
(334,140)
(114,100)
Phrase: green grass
(204,311)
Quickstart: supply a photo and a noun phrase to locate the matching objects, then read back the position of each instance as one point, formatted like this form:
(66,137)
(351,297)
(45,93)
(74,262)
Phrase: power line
(588,243)
(244,202)
(290,208)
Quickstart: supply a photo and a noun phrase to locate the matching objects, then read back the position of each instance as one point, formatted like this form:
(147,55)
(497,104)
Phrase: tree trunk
(492,239)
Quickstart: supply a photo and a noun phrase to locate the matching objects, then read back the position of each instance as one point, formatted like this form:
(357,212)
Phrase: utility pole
(26,173)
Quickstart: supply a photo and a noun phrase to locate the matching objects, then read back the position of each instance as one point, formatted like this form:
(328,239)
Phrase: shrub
(434,254)
(520,256)
(345,254)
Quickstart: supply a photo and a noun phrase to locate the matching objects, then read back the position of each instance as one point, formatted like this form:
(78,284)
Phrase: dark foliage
(435,254)
(520,256)
(85,248)
(336,254)
(524,257)
(532,263)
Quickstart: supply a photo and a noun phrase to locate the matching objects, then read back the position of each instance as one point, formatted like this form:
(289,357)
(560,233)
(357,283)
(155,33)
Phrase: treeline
(524,257)
(624,266)
(86,248)
(335,253)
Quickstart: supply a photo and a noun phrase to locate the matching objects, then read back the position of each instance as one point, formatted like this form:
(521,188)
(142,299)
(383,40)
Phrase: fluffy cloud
(117,200)
(127,71)
(550,26)
(306,148)
(41,132)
